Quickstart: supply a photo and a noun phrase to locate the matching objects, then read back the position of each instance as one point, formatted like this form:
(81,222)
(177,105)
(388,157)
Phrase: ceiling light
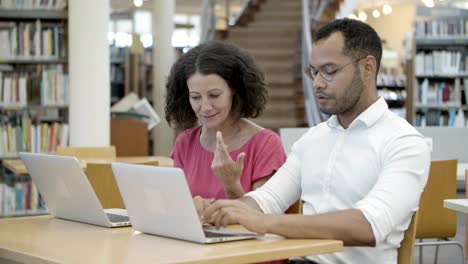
(387,9)
(428,3)
(138,3)
(362,16)
(353,16)
(376,13)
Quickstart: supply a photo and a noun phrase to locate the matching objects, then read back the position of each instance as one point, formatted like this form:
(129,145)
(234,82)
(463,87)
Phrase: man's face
(340,91)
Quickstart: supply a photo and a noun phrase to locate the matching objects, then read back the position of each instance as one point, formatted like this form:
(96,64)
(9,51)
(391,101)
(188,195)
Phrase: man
(360,174)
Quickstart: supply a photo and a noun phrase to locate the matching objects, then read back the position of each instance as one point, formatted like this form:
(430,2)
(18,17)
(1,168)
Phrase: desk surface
(17,165)
(461,170)
(459,205)
(45,239)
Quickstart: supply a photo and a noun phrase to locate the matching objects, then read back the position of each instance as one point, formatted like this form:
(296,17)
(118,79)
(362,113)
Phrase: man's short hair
(360,38)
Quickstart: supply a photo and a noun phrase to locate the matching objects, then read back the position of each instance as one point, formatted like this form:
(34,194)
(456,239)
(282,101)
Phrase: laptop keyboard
(218,234)
(117,218)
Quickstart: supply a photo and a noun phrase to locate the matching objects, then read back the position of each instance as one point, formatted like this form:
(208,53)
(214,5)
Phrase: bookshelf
(440,74)
(393,89)
(34,93)
(130,72)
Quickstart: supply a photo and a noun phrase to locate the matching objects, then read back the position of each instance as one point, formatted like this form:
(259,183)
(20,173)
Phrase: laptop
(159,202)
(67,192)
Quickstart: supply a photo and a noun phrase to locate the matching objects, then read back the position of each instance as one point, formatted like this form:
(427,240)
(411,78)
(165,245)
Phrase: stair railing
(207,20)
(209,17)
(310,15)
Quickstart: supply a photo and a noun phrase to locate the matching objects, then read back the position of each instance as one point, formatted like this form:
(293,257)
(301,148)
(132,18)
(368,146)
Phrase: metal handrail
(208,17)
(207,20)
(313,114)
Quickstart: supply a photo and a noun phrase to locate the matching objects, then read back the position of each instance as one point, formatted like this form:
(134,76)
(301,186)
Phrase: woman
(211,90)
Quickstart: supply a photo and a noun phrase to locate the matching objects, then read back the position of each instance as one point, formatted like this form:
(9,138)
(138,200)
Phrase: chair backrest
(406,250)
(102,180)
(290,135)
(129,136)
(295,208)
(103,153)
(447,142)
(435,221)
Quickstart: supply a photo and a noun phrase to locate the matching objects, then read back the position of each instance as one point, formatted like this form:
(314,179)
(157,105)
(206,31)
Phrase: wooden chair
(295,208)
(130,136)
(102,180)
(406,250)
(435,221)
(89,153)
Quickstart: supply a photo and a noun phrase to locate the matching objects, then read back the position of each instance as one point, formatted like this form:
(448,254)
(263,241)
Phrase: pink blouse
(264,155)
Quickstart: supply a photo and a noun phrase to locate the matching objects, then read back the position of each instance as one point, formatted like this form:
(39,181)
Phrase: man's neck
(345,119)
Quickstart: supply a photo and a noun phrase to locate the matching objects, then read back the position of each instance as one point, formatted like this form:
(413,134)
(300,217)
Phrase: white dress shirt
(378,165)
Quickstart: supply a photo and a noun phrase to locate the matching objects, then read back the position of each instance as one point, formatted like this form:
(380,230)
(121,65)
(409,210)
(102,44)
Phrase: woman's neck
(229,131)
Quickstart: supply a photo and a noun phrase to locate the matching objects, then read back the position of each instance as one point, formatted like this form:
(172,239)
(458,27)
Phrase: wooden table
(45,239)
(17,165)
(460,205)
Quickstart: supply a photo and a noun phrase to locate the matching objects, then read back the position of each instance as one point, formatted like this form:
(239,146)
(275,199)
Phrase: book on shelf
(33,4)
(35,84)
(439,92)
(32,40)
(24,136)
(441,63)
(443,27)
(20,197)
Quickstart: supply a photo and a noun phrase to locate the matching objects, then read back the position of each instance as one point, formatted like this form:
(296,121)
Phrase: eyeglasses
(327,73)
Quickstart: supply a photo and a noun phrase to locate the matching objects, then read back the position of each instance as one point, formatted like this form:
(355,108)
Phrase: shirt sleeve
(282,190)
(177,151)
(269,158)
(405,168)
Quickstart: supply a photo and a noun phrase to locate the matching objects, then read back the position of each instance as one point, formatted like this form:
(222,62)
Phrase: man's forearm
(349,226)
(251,203)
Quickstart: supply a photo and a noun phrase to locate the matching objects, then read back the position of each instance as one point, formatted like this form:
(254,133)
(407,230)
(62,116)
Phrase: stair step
(277,67)
(272,55)
(275,123)
(283,78)
(250,32)
(259,43)
(276,24)
(281,5)
(283,15)
(284,93)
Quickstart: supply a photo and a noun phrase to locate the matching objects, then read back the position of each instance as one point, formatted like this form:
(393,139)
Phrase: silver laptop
(159,202)
(67,192)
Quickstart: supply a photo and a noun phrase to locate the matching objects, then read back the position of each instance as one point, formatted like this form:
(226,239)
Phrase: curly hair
(229,62)
(360,38)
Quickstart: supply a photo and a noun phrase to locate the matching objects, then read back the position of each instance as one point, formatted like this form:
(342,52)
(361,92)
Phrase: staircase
(272,38)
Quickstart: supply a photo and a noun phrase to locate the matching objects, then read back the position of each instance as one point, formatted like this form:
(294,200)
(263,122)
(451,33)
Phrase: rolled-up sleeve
(405,168)
(282,190)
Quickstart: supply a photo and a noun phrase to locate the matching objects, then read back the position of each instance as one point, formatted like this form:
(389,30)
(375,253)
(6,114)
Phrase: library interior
(93,93)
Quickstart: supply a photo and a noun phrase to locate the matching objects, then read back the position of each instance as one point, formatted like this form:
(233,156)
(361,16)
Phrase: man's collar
(368,118)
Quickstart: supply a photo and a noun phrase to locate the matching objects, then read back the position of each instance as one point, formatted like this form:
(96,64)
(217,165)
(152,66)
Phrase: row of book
(33,4)
(447,27)
(40,138)
(38,40)
(50,87)
(20,197)
(442,92)
(452,117)
(442,62)
(391,80)
(394,98)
